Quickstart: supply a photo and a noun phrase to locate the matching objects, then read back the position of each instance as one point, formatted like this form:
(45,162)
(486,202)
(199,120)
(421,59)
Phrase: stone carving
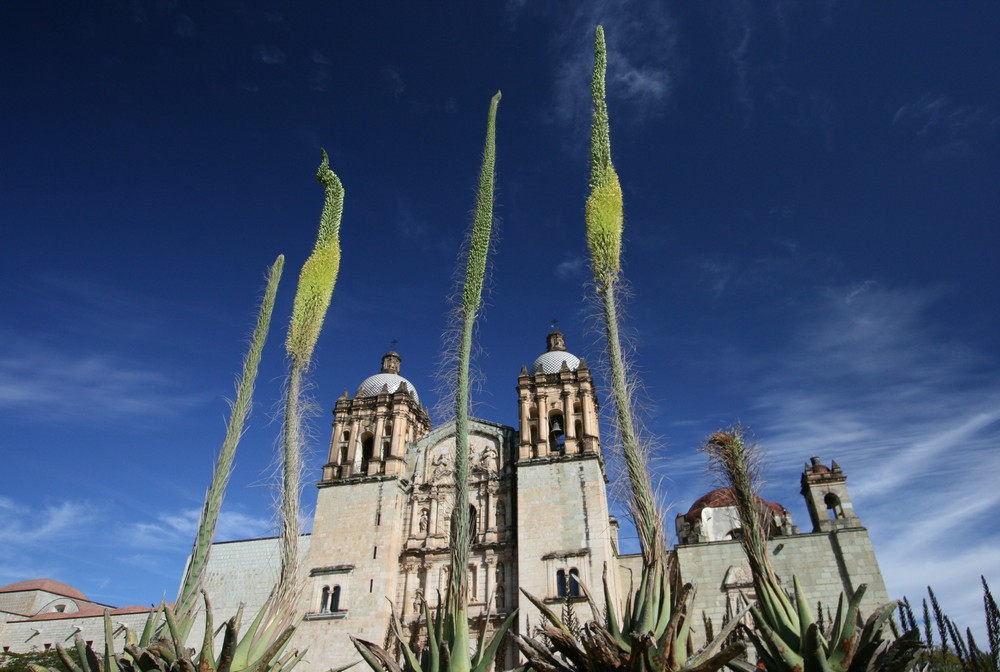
(425,519)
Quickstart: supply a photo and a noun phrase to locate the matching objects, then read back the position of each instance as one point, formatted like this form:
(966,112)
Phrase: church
(539,515)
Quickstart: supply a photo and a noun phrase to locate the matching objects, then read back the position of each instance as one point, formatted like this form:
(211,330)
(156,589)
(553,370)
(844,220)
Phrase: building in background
(539,518)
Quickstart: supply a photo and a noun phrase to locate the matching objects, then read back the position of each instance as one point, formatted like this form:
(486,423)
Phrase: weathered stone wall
(825,564)
(356,543)
(562,523)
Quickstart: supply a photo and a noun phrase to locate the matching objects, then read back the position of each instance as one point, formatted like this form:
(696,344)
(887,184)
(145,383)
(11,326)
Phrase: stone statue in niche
(501,515)
(488,458)
(425,519)
(440,465)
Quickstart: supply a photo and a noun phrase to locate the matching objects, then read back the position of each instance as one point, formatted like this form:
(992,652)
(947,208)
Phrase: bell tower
(565,534)
(370,431)
(829,503)
(557,406)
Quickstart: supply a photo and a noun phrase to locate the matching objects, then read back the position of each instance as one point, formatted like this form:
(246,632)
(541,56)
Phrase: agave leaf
(813,651)
(241,656)
(778,647)
(806,619)
(411,658)
(207,658)
(174,640)
(548,613)
(487,654)
(838,623)
(152,621)
(110,664)
(703,656)
(66,660)
(612,621)
(666,607)
(229,639)
(845,648)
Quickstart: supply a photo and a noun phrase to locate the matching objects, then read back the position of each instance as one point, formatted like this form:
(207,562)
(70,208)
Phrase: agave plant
(158,651)
(654,627)
(786,635)
(448,632)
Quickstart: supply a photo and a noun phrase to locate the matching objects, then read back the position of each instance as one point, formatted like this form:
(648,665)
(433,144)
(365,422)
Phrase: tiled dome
(551,362)
(373,385)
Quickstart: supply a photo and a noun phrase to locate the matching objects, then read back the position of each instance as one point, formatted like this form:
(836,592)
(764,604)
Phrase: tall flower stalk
(187,599)
(312,299)
(448,633)
(605,223)
(652,632)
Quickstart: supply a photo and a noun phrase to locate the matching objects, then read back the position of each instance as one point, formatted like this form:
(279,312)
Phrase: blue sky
(811,208)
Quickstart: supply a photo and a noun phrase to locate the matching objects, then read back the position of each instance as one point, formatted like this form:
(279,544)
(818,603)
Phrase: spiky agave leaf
(191,585)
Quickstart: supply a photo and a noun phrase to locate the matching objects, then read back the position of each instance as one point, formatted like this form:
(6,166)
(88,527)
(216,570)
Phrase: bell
(557,425)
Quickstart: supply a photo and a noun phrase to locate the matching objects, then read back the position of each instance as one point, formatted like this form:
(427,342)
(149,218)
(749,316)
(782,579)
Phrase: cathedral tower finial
(391,362)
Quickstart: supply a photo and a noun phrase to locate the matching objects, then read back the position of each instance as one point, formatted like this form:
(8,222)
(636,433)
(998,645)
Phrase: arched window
(557,432)
(578,425)
(833,506)
(574,582)
(335,599)
(343,454)
(561,583)
(324,600)
(473,524)
(367,450)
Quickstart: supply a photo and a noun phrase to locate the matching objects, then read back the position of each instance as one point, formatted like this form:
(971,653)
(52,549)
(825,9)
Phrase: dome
(555,354)
(372,385)
(725,497)
(551,362)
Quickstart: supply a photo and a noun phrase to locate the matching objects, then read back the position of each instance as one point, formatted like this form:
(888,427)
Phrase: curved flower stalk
(786,635)
(448,635)
(187,599)
(312,299)
(652,633)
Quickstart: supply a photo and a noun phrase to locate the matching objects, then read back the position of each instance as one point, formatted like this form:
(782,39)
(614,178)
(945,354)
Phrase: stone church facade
(540,523)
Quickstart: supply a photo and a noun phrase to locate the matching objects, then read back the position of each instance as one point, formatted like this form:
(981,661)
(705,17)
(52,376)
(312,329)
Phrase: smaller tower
(825,492)
(370,431)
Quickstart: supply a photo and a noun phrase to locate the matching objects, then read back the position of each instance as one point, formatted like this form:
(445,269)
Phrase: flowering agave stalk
(312,299)
(652,633)
(786,635)
(187,599)
(448,637)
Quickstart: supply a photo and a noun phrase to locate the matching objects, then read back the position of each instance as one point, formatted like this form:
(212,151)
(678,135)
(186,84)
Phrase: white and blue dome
(372,385)
(551,362)
(388,378)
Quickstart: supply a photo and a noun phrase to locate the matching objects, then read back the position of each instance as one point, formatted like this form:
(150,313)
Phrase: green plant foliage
(312,300)
(187,599)
(653,633)
(33,660)
(786,636)
(448,633)
(161,649)
(963,654)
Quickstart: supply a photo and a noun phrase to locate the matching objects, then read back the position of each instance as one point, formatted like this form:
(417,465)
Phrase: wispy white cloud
(177,530)
(42,381)
(946,128)
(914,419)
(572,268)
(642,58)
(269,54)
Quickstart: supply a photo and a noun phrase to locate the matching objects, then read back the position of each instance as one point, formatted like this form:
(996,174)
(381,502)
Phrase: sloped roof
(48,585)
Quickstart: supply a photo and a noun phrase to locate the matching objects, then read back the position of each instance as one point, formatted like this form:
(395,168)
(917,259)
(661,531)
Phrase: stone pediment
(490,448)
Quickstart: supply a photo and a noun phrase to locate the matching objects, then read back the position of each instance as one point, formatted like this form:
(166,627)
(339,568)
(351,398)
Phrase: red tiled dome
(724,497)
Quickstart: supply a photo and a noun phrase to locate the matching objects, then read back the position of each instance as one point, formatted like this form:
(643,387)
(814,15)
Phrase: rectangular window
(375,553)
(371,585)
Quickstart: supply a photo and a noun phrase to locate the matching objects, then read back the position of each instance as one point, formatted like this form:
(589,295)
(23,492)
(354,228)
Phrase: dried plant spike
(187,599)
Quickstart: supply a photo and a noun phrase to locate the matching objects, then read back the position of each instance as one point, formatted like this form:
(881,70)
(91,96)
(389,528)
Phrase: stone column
(491,564)
(353,444)
(543,424)
(525,420)
(397,434)
(409,586)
